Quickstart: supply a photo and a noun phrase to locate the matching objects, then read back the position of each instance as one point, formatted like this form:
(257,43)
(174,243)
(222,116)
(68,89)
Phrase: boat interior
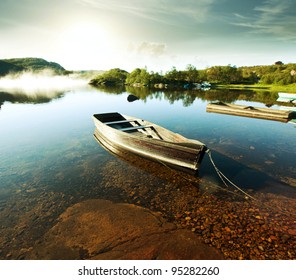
(135,126)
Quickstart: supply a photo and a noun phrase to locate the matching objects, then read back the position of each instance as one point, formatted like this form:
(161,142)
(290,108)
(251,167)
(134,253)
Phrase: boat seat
(135,127)
(123,121)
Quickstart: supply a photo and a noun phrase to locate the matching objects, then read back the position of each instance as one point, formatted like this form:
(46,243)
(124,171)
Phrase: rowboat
(287,97)
(118,132)
(250,111)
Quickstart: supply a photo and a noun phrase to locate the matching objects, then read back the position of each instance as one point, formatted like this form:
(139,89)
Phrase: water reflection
(189,96)
(186,96)
(35,97)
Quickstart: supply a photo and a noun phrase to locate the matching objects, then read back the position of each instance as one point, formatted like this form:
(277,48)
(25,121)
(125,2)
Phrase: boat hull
(180,152)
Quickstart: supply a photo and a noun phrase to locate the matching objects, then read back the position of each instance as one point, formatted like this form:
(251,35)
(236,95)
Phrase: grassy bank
(278,88)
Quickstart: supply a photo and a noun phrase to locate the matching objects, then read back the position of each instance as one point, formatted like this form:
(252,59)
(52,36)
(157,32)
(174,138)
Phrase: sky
(157,34)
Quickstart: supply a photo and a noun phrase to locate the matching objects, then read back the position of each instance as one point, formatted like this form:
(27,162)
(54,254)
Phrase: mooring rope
(222,176)
(216,187)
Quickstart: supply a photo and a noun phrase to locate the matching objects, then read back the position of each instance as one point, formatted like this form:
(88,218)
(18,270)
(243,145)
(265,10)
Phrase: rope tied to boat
(224,178)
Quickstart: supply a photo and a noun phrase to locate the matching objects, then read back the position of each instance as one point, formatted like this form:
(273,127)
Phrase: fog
(40,83)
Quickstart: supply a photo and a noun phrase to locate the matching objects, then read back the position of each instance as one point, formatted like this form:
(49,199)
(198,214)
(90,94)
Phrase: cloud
(149,48)
(273,7)
(164,11)
(273,17)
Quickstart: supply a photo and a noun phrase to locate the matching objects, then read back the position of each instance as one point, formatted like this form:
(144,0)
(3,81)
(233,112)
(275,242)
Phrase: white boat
(287,97)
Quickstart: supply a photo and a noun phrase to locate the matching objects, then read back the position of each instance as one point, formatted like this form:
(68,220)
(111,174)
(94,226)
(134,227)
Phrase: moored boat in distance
(202,86)
(118,133)
(287,97)
(250,111)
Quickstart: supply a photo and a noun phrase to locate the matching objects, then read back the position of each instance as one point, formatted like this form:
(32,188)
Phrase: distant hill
(16,65)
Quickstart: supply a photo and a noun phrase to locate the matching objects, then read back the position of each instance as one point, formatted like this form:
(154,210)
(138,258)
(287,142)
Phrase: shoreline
(278,88)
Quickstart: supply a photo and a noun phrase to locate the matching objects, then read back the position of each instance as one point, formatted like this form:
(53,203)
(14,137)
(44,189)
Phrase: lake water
(49,159)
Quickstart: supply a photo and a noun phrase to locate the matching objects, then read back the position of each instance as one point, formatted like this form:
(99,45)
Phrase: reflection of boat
(287,97)
(119,132)
(152,167)
(250,111)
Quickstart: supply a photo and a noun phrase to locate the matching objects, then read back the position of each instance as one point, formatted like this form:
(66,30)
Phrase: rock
(100,229)
(132,98)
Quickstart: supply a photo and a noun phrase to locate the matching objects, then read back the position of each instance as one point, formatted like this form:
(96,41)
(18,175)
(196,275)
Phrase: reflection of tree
(140,92)
(226,95)
(34,97)
(231,95)
(145,93)
(111,90)
(188,96)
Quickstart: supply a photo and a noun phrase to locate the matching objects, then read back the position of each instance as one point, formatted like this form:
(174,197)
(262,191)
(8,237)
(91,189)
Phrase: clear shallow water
(49,137)
(50,160)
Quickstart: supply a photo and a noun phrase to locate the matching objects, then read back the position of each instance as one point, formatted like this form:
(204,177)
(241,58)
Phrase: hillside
(16,65)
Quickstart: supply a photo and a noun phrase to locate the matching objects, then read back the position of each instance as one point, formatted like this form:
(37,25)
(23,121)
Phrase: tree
(138,76)
(224,74)
(112,77)
(279,63)
(191,74)
(174,76)
(155,78)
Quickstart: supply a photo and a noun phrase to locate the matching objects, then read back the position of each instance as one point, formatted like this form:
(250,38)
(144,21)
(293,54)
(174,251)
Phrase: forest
(33,64)
(277,74)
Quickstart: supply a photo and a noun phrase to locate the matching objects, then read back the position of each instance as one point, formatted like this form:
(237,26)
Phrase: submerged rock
(101,229)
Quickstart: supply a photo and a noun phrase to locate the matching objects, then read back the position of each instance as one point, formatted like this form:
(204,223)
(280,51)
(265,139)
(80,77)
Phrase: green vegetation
(276,77)
(113,77)
(6,68)
(261,87)
(17,65)
(272,77)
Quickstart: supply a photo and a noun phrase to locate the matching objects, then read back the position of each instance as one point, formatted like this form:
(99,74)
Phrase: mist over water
(33,84)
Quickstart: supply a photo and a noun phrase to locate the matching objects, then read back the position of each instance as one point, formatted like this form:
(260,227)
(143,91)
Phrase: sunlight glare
(87,42)
(45,80)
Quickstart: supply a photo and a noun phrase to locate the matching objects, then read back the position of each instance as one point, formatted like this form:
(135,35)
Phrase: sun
(86,42)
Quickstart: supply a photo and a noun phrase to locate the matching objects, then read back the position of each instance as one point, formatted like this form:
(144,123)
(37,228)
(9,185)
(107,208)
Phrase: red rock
(100,229)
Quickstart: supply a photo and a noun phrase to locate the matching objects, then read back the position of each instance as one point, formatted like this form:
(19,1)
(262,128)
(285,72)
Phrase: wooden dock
(250,111)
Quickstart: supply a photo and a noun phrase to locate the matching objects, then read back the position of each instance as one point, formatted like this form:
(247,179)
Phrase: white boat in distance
(287,97)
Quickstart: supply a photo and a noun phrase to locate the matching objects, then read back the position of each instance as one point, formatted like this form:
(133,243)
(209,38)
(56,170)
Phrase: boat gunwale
(159,142)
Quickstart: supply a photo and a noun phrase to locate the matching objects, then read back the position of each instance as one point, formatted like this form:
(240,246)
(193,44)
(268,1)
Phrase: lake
(49,160)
